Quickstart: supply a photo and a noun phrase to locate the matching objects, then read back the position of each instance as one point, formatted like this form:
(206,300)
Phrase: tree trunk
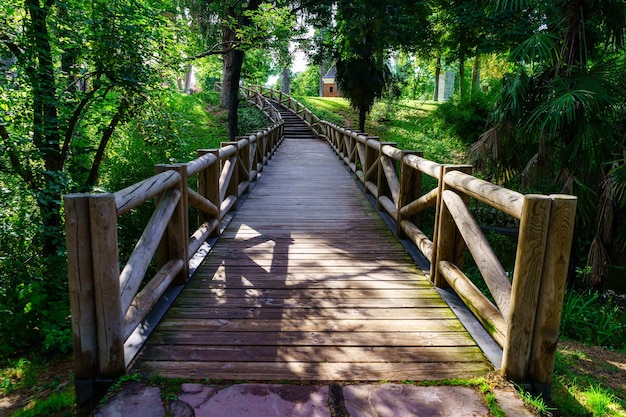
(46,135)
(228,35)
(188,78)
(362,115)
(106,136)
(437,75)
(323,71)
(476,74)
(462,76)
(233,94)
(286,81)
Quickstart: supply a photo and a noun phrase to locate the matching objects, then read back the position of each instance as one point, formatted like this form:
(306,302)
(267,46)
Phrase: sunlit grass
(409,123)
(58,404)
(577,391)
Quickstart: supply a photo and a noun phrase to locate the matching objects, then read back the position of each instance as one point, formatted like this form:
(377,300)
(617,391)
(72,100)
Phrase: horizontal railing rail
(107,303)
(526,315)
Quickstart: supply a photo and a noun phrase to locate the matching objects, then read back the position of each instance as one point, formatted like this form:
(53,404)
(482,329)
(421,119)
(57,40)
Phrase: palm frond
(538,48)
(598,261)
(606,212)
(509,4)
(618,173)
(562,110)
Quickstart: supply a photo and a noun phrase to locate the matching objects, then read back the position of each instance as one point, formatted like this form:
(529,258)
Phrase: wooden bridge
(306,281)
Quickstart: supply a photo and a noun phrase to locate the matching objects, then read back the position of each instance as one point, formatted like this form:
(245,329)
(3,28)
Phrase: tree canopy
(365,33)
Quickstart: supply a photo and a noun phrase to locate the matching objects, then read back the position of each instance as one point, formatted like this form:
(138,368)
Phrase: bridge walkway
(308,283)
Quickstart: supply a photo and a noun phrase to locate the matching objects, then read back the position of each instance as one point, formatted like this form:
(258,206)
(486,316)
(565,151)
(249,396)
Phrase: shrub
(589,318)
(465,118)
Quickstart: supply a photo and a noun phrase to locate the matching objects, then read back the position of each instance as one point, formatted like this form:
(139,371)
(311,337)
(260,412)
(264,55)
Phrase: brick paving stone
(255,400)
(137,400)
(395,400)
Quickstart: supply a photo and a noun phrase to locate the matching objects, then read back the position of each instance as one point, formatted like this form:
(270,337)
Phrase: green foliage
(257,66)
(331,109)
(251,120)
(466,118)
(25,375)
(306,83)
(35,311)
(588,318)
(535,402)
(577,391)
(366,31)
(60,403)
(560,116)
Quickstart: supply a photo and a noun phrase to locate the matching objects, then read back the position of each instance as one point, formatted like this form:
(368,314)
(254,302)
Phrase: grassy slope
(407,123)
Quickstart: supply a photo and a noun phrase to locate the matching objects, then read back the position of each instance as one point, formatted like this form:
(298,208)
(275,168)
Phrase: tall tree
(466,28)
(67,57)
(560,117)
(71,72)
(231,27)
(366,31)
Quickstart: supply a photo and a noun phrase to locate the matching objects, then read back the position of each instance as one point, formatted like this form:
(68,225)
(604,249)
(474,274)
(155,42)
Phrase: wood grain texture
(308,283)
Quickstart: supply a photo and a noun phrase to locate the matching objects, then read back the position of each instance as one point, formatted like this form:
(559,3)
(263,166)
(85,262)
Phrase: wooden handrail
(524,322)
(502,199)
(106,304)
(526,319)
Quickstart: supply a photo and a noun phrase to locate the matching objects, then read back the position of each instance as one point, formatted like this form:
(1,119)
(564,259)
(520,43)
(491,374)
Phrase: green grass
(578,391)
(409,123)
(48,394)
(57,404)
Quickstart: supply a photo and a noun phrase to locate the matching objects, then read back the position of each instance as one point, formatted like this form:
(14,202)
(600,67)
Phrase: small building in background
(330,84)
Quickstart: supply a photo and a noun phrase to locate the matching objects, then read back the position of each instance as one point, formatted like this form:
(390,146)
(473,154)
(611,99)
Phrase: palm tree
(560,117)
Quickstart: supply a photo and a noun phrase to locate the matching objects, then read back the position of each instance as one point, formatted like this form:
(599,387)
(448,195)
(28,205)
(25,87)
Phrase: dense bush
(34,310)
(464,118)
(593,319)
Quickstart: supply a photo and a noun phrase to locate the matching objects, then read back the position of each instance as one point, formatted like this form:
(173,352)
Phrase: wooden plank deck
(308,283)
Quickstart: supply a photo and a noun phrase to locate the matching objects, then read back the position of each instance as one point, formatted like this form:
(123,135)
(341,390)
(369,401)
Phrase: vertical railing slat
(106,272)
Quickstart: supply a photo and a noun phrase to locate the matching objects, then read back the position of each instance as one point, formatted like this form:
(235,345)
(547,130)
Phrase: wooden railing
(526,316)
(107,304)
(314,122)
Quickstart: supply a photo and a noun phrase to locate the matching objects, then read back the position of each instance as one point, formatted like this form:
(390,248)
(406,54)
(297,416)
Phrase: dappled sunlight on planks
(308,283)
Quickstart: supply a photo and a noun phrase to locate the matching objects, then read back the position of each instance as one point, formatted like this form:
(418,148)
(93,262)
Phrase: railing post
(175,243)
(371,159)
(531,245)
(410,190)
(552,291)
(448,244)
(106,274)
(232,188)
(82,301)
(243,164)
(208,187)
(261,151)
(253,156)
(381,183)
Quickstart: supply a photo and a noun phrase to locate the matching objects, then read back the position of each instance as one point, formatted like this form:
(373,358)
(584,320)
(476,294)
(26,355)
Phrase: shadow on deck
(308,283)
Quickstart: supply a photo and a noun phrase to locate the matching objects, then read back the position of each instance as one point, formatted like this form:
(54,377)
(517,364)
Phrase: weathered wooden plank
(314,338)
(274,313)
(304,285)
(312,325)
(346,354)
(299,303)
(309,263)
(314,371)
(310,294)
